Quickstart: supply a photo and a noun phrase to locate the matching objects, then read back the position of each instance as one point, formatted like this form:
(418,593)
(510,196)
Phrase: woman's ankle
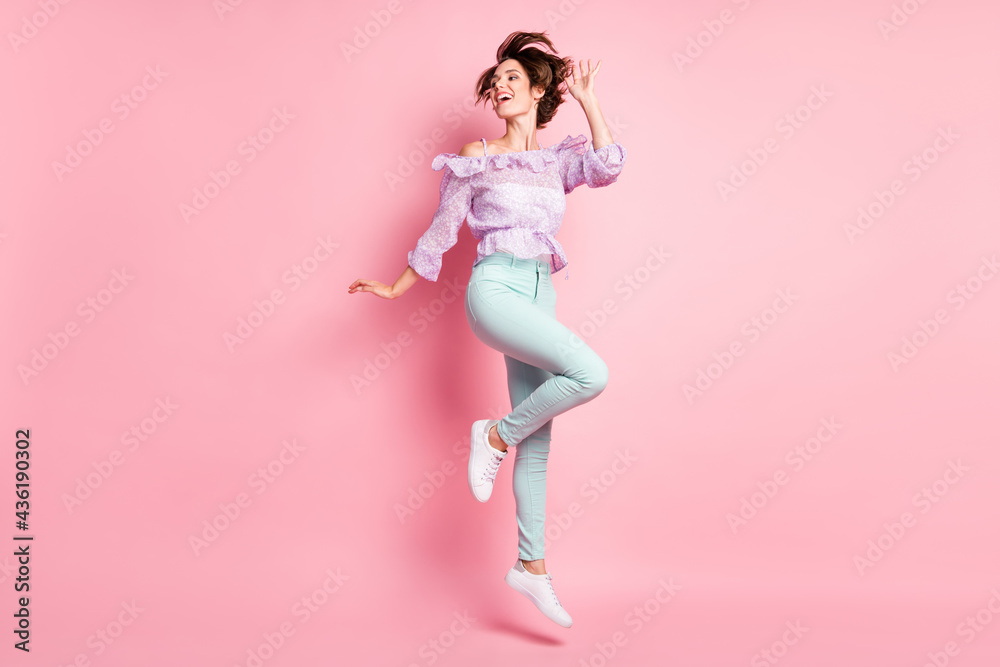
(496,442)
(534,566)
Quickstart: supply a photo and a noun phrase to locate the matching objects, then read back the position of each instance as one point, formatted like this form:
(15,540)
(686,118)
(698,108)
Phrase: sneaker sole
(512,581)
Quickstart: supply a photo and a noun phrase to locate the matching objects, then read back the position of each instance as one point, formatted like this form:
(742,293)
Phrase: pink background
(361,453)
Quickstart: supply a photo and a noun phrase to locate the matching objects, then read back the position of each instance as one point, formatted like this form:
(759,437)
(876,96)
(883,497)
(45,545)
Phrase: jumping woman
(513,194)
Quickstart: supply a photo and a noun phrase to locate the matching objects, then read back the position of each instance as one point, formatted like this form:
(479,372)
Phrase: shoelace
(490,472)
(548,582)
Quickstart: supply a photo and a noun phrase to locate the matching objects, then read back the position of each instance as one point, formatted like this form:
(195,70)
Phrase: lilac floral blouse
(513,201)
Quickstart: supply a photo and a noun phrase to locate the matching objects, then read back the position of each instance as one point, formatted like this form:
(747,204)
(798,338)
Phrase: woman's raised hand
(582,84)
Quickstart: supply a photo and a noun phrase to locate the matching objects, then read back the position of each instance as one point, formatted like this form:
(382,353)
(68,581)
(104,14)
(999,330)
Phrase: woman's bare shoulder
(472,149)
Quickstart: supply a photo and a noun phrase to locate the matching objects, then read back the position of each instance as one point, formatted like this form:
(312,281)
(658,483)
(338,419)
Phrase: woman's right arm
(405,281)
(456,201)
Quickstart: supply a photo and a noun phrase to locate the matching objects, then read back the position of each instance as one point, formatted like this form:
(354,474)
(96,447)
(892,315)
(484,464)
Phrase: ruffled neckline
(537,160)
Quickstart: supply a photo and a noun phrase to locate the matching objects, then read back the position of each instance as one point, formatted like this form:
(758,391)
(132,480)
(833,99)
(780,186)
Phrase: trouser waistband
(515,262)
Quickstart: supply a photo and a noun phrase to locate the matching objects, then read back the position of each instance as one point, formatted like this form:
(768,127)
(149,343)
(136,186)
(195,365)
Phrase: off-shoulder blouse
(513,202)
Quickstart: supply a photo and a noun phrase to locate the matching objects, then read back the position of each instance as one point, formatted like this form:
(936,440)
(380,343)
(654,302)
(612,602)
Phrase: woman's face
(510,90)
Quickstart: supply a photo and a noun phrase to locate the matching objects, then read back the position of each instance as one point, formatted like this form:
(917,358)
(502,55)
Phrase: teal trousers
(510,305)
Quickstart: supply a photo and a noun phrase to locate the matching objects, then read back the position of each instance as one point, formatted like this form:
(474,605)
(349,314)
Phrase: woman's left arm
(582,89)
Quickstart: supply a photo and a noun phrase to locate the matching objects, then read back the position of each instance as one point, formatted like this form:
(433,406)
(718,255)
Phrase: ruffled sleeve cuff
(426,264)
(579,163)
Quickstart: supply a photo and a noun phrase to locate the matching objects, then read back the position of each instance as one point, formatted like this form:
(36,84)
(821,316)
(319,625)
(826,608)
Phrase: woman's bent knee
(596,378)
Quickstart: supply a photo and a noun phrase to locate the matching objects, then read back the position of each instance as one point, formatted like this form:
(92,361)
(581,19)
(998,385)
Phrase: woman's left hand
(581,86)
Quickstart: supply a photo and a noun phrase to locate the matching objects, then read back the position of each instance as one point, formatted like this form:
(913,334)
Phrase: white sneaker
(538,589)
(484,460)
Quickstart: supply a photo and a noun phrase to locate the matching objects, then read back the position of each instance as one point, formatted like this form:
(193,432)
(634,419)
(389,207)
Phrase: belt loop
(513,260)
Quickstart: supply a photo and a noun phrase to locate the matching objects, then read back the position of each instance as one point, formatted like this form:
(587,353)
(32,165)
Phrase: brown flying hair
(542,68)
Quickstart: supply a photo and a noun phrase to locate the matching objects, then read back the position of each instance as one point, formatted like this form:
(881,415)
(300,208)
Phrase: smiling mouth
(504,97)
